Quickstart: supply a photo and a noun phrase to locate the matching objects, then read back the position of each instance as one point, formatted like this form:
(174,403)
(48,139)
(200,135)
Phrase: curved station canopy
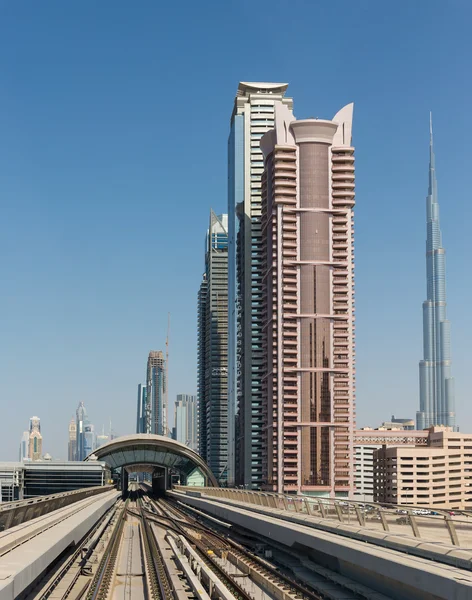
(143,450)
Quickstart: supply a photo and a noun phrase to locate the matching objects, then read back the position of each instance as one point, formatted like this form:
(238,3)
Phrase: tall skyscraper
(85,433)
(35,442)
(253,115)
(213,349)
(308,382)
(201,362)
(72,445)
(141,410)
(112,434)
(103,438)
(437,405)
(80,418)
(186,431)
(90,443)
(24,445)
(156,409)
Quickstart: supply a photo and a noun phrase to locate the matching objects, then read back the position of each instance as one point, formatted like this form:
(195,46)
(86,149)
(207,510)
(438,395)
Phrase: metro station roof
(153,450)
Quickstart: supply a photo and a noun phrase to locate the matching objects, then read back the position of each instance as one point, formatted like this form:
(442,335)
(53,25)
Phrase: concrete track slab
(20,567)
(387,571)
(129,580)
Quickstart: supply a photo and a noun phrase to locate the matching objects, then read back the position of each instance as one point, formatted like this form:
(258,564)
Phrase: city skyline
(75,232)
(435,289)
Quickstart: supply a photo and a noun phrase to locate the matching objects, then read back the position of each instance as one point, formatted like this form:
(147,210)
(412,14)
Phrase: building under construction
(156,393)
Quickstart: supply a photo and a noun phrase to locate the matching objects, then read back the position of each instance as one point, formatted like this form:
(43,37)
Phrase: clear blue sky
(113,130)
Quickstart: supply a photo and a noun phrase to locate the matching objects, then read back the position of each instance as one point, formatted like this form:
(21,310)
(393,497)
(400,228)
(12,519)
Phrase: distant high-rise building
(156,409)
(24,445)
(307,304)
(72,446)
(80,418)
(35,442)
(141,410)
(102,438)
(186,431)
(213,349)
(85,433)
(201,361)
(90,443)
(253,115)
(437,404)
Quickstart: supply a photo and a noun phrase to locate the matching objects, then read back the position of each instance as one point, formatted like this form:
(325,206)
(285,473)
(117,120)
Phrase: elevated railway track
(153,548)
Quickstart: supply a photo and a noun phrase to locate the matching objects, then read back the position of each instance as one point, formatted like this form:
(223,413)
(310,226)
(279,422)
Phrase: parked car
(375,518)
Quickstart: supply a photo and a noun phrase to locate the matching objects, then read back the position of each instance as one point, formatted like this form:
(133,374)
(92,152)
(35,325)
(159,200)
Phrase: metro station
(156,455)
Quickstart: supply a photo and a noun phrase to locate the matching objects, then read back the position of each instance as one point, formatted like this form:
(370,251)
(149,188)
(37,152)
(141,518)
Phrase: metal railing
(438,525)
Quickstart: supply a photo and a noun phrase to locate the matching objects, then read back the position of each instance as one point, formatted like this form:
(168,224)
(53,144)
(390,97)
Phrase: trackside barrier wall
(15,513)
(389,518)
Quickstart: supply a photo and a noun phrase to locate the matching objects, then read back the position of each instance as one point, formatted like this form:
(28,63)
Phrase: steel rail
(69,563)
(267,571)
(101,582)
(160,584)
(238,592)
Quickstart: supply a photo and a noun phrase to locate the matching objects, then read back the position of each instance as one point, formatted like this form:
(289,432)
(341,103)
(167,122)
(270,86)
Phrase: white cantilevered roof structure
(136,451)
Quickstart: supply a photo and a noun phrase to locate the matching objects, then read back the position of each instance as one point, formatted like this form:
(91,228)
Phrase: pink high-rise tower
(308,304)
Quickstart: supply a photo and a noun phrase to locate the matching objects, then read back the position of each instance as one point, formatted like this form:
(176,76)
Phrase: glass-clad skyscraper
(85,433)
(81,421)
(186,421)
(252,116)
(72,446)
(24,445)
(436,382)
(141,410)
(89,438)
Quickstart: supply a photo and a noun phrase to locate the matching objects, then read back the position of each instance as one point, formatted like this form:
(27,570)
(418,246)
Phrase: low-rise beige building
(436,475)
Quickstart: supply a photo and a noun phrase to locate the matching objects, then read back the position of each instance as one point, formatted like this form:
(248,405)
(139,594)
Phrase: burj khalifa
(436,382)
